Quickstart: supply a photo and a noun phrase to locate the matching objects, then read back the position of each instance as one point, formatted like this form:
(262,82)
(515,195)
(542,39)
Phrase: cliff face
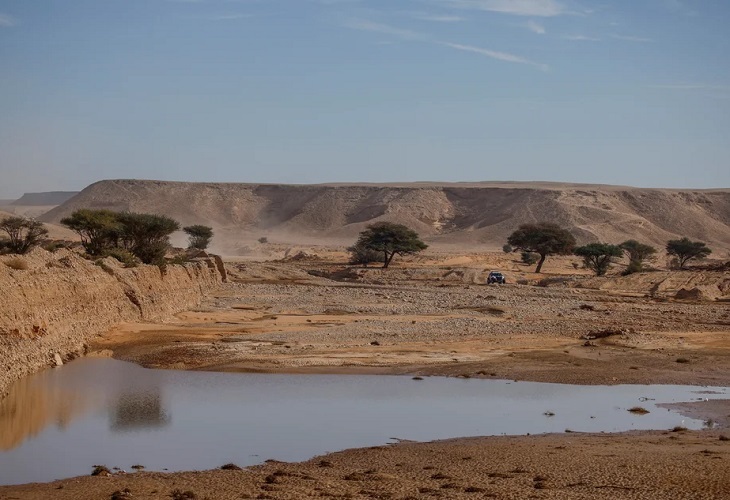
(476,214)
(62,300)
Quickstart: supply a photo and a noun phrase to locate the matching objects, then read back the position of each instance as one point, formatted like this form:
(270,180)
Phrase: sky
(629,92)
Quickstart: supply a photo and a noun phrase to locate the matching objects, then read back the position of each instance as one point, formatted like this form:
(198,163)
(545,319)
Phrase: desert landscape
(283,302)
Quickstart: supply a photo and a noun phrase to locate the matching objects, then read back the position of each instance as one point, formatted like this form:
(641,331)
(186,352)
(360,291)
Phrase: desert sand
(432,315)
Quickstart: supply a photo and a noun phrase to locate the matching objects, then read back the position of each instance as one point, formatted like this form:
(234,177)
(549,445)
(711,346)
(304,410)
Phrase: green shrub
(529,258)
(362,255)
(198,236)
(122,255)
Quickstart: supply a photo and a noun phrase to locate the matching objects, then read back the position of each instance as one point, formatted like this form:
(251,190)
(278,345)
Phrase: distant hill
(461,214)
(45,199)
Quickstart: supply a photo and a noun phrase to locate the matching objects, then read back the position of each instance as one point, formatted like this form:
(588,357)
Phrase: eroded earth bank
(434,317)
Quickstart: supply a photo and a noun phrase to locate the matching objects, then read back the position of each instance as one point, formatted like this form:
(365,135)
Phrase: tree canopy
(598,256)
(198,236)
(23,233)
(98,229)
(685,250)
(390,239)
(637,254)
(145,235)
(543,238)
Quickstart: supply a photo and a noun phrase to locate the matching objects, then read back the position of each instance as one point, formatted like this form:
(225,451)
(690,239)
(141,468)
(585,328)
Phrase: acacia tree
(99,229)
(637,254)
(24,233)
(685,250)
(390,239)
(147,235)
(198,236)
(362,255)
(543,238)
(598,256)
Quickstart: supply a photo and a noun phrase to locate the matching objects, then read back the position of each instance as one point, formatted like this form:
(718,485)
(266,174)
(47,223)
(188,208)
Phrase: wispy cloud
(629,38)
(7,21)
(364,25)
(409,35)
(534,8)
(580,38)
(535,27)
(438,18)
(501,56)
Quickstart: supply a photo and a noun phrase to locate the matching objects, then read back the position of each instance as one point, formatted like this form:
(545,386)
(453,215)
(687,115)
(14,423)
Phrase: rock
(57,360)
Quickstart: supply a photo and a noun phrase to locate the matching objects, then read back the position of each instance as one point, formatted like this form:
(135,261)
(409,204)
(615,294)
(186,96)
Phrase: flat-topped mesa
(468,214)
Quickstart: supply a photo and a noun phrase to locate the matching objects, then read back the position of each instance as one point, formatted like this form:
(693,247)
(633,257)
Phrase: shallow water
(61,422)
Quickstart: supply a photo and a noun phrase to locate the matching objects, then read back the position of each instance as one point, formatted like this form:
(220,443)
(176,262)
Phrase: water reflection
(134,411)
(101,411)
(35,403)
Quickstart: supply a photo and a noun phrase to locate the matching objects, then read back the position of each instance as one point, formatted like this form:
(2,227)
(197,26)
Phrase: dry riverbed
(280,318)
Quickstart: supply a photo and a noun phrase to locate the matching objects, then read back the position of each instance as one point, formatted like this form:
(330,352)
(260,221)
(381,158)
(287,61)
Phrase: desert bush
(638,410)
(198,236)
(637,254)
(598,256)
(127,258)
(16,263)
(98,229)
(263,240)
(23,234)
(147,235)
(362,255)
(507,248)
(53,246)
(230,466)
(529,258)
(101,470)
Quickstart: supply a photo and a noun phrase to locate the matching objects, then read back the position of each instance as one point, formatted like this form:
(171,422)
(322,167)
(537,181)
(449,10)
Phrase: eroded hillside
(475,214)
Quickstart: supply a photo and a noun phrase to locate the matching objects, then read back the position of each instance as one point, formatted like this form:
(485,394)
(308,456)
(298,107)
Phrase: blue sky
(633,92)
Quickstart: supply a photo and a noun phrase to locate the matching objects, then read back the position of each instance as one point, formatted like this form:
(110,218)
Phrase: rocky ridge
(450,214)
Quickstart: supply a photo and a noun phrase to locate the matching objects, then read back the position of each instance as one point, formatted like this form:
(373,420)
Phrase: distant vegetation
(386,240)
(198,236)
(23,234)
(543,238)
(685,250)
(598,256)
(362,255)
(637,253)
(124,234)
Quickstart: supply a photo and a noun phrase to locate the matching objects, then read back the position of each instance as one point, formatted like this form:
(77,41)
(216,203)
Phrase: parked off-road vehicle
(496,277)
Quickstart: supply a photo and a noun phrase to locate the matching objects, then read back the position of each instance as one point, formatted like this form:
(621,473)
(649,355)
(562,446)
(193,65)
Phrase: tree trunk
(388,259)
(540,262)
